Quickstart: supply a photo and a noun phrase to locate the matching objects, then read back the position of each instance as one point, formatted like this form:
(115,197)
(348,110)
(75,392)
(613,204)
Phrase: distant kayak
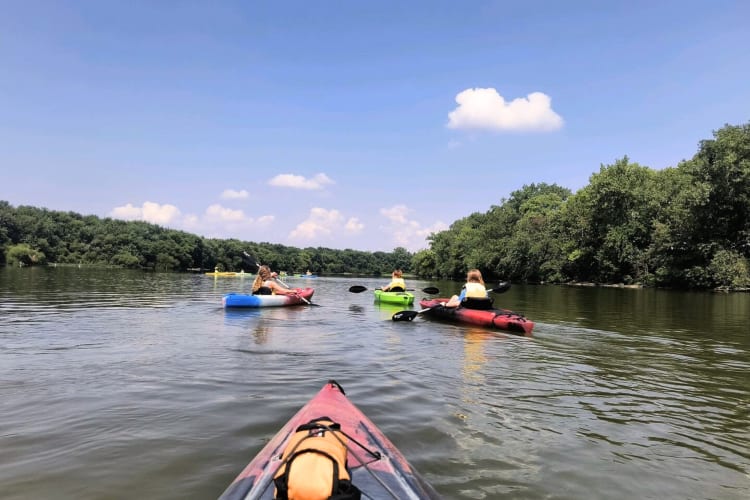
(247,300)
(223,273)
(308,275)
(373,465)
(501,319)
(401,298)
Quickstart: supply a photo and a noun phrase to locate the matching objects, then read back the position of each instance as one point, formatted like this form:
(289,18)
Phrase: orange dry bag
(314,464)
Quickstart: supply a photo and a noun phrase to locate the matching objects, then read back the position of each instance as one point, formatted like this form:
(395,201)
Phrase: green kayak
(401,298)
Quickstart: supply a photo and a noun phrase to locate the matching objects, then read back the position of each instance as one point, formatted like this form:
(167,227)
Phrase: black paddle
(359,289)
(407,315)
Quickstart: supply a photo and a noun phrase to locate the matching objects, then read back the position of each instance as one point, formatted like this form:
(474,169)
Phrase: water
(121,384)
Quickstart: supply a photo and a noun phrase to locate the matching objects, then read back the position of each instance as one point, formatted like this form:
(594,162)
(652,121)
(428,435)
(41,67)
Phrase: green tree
(730,269)
(722,168)
(23,254)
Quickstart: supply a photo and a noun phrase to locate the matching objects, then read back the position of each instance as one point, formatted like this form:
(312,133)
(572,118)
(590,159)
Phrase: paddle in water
(359,289)
(408,315)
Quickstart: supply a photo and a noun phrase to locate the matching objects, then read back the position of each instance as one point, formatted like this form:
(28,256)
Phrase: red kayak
(373,465)
(502,319)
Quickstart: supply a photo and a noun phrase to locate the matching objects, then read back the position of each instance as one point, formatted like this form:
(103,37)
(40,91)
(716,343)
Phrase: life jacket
(476,297)
(397,285)
(475,290)
(314,464)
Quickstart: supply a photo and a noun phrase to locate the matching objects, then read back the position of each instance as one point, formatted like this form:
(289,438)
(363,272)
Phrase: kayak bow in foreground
(375,466)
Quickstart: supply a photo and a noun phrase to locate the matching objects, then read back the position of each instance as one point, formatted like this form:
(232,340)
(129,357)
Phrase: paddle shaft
(359,288)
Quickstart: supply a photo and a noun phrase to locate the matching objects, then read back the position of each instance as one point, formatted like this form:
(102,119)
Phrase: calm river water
(120,384)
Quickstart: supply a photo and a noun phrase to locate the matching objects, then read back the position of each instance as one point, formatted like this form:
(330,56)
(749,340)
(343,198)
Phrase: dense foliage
(686,226)
(30,235)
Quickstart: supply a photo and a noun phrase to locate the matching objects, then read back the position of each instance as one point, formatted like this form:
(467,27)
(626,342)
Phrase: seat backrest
(477,303)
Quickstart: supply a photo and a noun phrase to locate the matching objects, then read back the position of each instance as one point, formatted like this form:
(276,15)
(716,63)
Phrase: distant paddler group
(216,273)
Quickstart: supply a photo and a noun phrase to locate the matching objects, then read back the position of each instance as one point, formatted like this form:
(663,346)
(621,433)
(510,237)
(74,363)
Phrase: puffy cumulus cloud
(127,212)
(231,194)
(232,220)
(353,225)
(486,109)
(424,232)
(320,222)
(216,221)
(149,212)
(396,214)
(218,213)
(406,232)
(265,220)
(318,181)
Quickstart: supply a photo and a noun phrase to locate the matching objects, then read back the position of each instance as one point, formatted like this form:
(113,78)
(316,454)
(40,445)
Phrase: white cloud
(265,220)
(218,213)
(396,214)
(318,181)
(434,228)
(487,109)
(232,221)
(216,221)
(126,212)
(149,212)
(320,222)
(405,232)
(231,194)
(353,225)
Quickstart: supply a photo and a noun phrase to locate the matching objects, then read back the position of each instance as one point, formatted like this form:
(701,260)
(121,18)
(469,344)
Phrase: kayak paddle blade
(357,289)
(431,290)
(502,287)
(404,316)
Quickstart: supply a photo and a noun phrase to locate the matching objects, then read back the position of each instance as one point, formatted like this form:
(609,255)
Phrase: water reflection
(357,310)
(474,355)
(619,394)
(260,333)
(386,311)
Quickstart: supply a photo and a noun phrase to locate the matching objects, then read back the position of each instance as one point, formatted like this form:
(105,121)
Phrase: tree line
(37,236)
(683,227)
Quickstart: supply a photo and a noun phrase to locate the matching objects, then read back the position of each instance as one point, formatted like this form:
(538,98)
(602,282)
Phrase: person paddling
(397,283)
(474,288)
(265,284)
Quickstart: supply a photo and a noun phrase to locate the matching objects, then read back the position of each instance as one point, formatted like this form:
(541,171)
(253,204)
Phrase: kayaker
(397,283)
(265,284)
(474,288)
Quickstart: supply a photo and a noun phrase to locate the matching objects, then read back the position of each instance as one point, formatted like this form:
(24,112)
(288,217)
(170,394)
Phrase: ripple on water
(113,372)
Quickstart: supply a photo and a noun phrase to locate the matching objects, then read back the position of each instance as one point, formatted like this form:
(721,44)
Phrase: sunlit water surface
(120,384)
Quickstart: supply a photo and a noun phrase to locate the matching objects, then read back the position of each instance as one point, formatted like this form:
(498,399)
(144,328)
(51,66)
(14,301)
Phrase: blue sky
(350,124)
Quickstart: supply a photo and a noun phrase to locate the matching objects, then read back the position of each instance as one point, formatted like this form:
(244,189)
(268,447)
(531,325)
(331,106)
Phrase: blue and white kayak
(246,300)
